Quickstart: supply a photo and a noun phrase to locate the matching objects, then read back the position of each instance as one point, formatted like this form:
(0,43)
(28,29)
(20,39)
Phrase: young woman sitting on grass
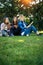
(5,27)
(26,30)
(15,30)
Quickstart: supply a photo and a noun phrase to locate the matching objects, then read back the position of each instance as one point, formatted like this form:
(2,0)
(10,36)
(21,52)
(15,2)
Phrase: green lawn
(21,50)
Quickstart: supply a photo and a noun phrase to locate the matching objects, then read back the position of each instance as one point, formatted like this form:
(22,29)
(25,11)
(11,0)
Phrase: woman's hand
(15,26)
(29,24)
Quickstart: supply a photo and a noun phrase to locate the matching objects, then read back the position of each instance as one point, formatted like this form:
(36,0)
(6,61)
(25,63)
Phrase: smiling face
(15,20)
(6,20)
(21,17)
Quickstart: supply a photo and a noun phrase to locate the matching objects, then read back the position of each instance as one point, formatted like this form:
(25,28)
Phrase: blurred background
(32,9)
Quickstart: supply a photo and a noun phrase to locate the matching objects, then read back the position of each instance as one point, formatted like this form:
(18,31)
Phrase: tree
(5,8)
(13,7)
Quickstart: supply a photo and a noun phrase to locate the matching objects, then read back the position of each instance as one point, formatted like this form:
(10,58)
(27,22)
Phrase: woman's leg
(4,33)
(30,29)
(34,29)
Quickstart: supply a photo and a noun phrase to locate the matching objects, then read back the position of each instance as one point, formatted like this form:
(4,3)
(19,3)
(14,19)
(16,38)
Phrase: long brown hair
(4,20)
(15,22)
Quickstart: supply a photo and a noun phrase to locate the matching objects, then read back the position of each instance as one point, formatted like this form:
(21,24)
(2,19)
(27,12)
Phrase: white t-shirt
(3,26)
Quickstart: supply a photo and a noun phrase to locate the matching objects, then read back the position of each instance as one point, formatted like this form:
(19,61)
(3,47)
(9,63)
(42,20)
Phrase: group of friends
(18,27)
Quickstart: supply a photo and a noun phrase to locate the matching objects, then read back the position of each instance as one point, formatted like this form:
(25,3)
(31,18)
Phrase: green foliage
(13,7)
(27,20)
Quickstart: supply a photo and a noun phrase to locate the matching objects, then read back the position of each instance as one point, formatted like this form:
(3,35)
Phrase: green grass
(21,50)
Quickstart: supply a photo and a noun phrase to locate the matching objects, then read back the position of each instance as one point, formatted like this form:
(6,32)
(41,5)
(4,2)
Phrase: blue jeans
(9,33)
(29,30)
(4,33)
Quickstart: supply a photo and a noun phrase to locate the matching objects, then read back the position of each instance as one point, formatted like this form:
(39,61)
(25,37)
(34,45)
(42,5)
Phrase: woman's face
(15,20)
(6,20)
(22,18)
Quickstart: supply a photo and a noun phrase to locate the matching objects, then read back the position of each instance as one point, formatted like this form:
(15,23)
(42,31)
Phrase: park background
(30,8)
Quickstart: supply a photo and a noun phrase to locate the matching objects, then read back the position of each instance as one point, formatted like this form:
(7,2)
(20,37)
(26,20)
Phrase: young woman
(15,30)
(26,30)
(5,27)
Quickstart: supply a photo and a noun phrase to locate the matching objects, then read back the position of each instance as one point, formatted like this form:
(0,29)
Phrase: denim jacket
(22,25)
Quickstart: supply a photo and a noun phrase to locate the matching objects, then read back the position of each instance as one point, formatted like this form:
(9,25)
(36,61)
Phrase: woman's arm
(29,24)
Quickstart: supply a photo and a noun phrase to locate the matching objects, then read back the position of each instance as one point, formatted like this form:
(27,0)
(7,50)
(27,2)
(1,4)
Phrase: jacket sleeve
(20,25)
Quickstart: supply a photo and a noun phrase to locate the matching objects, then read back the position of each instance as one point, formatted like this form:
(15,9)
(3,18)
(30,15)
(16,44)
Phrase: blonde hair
(21,17)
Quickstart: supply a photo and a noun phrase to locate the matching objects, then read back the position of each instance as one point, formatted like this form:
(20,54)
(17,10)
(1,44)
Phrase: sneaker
(27,35)
(37,33)
(22,34)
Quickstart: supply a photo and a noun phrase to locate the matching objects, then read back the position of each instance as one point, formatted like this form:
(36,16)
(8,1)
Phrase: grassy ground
(21,50)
